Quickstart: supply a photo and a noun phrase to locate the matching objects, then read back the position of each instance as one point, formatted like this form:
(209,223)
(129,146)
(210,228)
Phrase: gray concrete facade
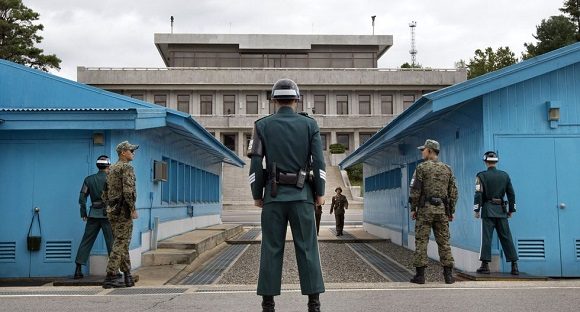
(349,103)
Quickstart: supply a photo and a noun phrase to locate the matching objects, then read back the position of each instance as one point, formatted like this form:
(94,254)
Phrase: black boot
(78,272)
(484,268)
(515,270)
(129,282)
(448,275)
(268,304)
(419,277)
(111,281)
(313,303)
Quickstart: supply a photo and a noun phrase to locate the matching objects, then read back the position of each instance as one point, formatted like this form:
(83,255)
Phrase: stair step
(168,256)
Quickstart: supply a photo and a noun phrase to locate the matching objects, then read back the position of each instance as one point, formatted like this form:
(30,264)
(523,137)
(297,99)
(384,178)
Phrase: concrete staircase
(186,247)
(236,190)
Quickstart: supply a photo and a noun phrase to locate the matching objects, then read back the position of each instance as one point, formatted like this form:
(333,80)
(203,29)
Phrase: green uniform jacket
(432,178)
(490,184)
(290,140)
(93,185)
(339,204)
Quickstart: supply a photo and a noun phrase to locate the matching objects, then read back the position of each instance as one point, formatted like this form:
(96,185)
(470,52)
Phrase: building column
(333,137)
(241,140)
(356,139)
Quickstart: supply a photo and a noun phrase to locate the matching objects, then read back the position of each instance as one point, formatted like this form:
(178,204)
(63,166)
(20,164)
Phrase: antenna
(373,23)
(171,19)
(413,50)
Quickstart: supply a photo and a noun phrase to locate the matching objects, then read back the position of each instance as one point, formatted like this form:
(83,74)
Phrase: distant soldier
(120,195)
(96,220)
(292,147)
(339,206)
(490,188)
(318,214)
(433,198)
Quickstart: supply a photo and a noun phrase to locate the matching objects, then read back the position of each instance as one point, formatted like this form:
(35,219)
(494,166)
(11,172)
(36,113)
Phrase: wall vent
(7,251)
(578,249)
(531,249)
(58,251)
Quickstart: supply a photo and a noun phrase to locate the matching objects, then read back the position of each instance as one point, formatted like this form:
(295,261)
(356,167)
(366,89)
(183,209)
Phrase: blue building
(530,114)
(51,132)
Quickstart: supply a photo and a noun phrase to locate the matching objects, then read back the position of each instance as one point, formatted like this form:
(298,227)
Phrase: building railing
(271,69)
(324,121)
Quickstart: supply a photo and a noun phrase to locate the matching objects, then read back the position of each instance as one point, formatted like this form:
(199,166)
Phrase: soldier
(433,198)
(318,214)
(96,220)
(339,204)
(120,195)
(489,204)
(292,147)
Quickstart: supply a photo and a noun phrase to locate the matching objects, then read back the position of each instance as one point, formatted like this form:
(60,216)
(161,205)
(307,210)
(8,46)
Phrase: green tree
(553,33)
(489,60)
(572,9)
(18,35)
(407,65)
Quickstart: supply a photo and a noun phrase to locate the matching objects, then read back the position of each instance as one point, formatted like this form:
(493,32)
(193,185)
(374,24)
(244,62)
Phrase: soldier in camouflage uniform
(291,144)
(96,220)
(339,206)
(120,195)
(490,188)
(433,198)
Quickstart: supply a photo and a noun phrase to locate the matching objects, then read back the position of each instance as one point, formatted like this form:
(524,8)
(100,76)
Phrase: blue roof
(28,91)
(438,102)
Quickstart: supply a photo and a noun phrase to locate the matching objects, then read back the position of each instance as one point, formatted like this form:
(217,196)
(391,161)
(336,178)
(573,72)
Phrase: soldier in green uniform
(433,196)
(339,206)
(292,147)
(490,188)
(119,196)
(96,220)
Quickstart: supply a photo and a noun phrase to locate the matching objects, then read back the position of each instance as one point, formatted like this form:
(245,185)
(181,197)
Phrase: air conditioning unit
(160,170)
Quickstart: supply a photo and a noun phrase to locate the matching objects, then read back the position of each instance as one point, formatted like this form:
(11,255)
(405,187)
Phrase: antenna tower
(413,50)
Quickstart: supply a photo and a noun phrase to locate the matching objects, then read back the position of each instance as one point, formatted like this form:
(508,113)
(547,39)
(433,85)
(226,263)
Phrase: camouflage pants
(122,230)
(440,225)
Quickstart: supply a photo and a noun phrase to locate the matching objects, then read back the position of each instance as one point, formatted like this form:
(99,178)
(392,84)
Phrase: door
(47,175)
(568,204)
(546,178)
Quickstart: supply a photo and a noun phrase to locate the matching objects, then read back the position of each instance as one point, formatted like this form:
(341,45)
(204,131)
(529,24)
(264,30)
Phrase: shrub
(337,148)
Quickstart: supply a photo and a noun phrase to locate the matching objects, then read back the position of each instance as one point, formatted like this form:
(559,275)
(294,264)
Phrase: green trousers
(504,234)
(92,228)
(275,218)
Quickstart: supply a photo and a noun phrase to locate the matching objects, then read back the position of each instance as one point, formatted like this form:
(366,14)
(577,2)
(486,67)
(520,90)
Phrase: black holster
(273,181)
(448,211)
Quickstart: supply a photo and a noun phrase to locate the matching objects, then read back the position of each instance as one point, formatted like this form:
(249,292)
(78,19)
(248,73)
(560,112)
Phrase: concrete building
(530,114)
(51,132)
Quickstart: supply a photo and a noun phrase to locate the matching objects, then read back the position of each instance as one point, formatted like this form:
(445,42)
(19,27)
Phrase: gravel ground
(339,265)
(404,256)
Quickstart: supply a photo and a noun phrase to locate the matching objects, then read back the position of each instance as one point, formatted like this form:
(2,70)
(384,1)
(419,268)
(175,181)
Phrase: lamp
(553,113)
(98,139)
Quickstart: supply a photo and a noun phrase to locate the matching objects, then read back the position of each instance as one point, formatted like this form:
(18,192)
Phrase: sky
(112,33)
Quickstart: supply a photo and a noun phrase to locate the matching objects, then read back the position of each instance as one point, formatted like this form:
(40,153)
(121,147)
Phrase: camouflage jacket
(433,178)
(121,185)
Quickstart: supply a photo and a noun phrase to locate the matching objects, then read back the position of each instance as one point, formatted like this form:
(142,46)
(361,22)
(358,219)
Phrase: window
(138,96)
(251,104)
(343,138)
(319,105)
(364,104)
(300,104)
(323,138)
(342,104)
(187,184)
(230,141)
(229,104)
(183,103)
(408,100)
(206,102)
(174,181)
(386,104)
(160,99)
(364,137)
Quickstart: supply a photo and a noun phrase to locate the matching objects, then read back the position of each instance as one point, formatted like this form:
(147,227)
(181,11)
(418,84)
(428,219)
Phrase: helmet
(285,89)
(103,162)
(490,156)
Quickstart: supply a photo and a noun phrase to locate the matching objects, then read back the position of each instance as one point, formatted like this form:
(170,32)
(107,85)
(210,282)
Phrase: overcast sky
(112,33)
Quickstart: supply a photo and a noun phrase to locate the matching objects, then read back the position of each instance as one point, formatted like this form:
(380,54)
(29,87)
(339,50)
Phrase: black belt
(287,178)
(435,201)
(98,205)
(496,201)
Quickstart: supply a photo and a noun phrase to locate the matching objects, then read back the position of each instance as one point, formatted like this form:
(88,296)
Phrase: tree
(407,65)
(553,33)
(572,9)
(489,60)
(18,35)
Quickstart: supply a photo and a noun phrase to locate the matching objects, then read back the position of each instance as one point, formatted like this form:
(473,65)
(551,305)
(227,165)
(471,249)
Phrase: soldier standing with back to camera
(96,220)
(433,198)
(120,195)
(490,188)
(339,206)
(292,147)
